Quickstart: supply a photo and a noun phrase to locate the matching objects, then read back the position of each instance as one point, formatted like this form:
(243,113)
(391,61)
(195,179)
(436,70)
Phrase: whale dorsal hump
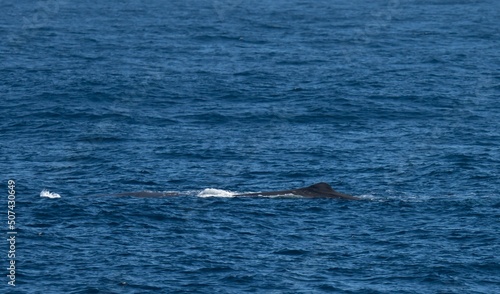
(321,188)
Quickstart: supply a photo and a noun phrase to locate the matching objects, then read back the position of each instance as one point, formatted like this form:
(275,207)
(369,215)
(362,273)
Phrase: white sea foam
(286,195)
(210,192)
(48,194)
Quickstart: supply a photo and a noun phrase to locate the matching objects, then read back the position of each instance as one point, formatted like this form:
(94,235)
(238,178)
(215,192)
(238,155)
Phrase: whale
(318,190)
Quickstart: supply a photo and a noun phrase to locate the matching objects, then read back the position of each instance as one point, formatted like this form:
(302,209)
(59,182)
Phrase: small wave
(370,197)
(210,192)
(48,194)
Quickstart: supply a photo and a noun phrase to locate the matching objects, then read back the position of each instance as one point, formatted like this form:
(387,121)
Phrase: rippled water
(396,102)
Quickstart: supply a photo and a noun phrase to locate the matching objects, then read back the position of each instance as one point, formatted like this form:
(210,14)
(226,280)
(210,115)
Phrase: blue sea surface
(393,101)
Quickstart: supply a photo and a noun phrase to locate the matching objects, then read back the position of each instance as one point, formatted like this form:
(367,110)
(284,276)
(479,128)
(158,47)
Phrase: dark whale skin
(319,190)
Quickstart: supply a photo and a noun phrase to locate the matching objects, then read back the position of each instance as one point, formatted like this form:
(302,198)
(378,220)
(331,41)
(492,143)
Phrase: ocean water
(394,101)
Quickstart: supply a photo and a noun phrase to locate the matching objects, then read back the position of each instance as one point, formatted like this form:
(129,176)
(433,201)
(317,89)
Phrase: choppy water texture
(397,102)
